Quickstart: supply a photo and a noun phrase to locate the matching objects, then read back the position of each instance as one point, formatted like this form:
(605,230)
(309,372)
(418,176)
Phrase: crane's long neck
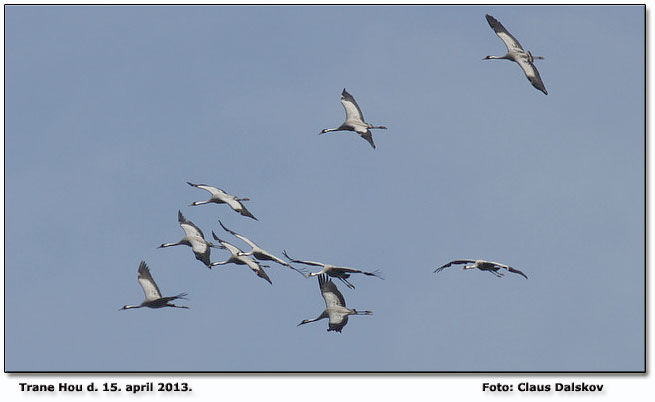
(199,203)
(506,57)
(171,244)
(327,130)
(367,312)
(324,314)
(129,307)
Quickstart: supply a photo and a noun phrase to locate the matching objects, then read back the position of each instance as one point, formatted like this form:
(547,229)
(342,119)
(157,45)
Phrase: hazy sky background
(110,110)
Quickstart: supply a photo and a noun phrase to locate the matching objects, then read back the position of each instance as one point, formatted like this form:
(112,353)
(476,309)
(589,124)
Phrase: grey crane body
(153,297)
(341,273)
(354,120)
(237,257)
(515,53)
(194,238)
(258,252)
(218,196)
(482,265)
(335,306)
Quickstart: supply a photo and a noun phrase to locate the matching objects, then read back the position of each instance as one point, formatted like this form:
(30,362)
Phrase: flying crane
(258,252)
(482,265)
(238,258)
(219,196)
(341,273)
(516,53)
(153,298)
(354,120)
(194,238)
(335,306)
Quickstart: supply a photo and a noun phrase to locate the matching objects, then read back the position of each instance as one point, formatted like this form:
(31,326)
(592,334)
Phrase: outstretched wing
(256,268)
(316,264)
(516,271)
(454,262)
(368,137)
(353,112)
(330,293)
(509,40)
(213,190)
(245,239)
(355,271)
(262,254)
(148,284)
(189,228)
(532,74)
(234,250)
(244,211)
(507,267)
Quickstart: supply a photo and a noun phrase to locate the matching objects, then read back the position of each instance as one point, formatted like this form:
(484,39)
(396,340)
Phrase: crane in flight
(258,252)
(153,298)
(482,265)
(354,120)
(516,54)
(219,196)
(238,258)
(341,273)
(194,238)
(335,306)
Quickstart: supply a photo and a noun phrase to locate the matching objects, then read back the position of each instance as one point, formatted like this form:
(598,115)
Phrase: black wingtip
(265,277)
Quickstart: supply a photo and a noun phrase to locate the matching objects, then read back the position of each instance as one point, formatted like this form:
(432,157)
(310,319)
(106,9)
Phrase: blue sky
(110,110)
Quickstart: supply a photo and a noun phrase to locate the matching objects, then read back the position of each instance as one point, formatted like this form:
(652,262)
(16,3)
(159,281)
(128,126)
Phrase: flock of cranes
(335,310)
(335,305)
